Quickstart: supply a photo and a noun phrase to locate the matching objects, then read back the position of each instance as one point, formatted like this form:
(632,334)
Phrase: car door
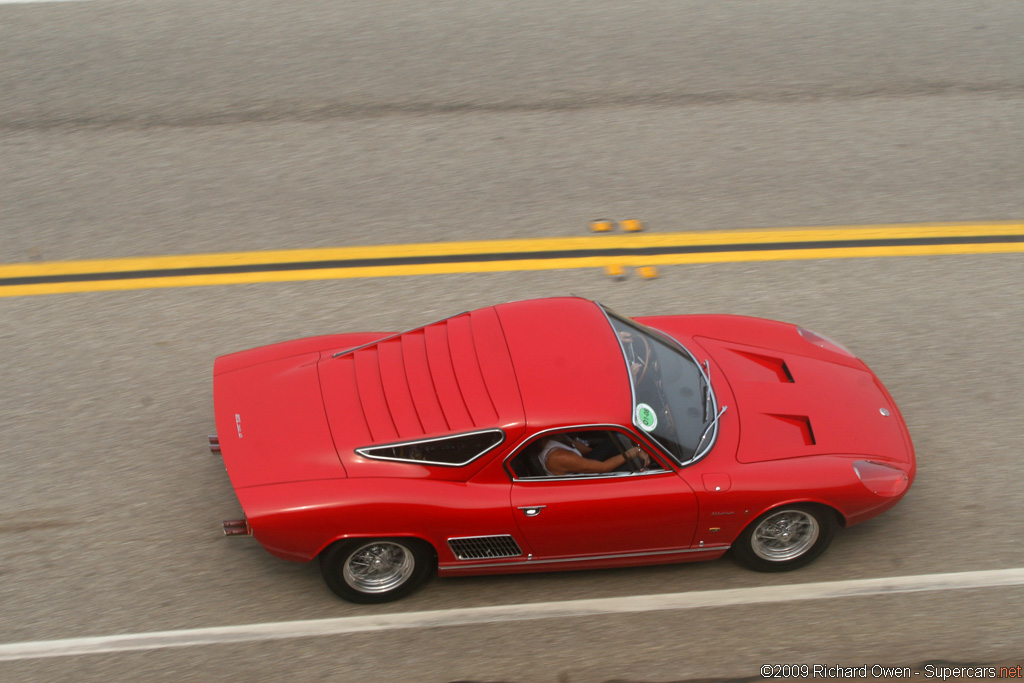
(607,514)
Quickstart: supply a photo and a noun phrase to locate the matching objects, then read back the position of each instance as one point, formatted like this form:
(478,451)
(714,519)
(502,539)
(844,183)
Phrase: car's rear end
(273,436)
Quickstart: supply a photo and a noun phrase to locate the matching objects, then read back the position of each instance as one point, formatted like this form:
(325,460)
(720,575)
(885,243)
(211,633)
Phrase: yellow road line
(544,244)
(788,239)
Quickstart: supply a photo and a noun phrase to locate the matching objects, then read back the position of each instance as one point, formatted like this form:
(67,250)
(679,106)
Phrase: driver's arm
(561,461)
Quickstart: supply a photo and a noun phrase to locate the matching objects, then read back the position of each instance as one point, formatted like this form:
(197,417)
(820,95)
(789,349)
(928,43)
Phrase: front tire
(785,538)
(375,570)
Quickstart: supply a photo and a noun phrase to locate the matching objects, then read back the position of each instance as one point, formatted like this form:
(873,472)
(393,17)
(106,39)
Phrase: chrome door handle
(531,510)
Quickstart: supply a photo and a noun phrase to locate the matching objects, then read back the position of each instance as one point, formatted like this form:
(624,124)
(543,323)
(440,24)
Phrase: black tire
(785,538)
(375,570)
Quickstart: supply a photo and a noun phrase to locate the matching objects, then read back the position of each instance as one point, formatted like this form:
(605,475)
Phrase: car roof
(568,362)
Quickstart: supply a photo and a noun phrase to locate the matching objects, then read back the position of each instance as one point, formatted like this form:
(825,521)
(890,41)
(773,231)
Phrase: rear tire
(375,570)
(785,538)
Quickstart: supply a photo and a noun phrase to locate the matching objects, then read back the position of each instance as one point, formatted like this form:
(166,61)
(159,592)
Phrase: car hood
(792,405)
(271,420)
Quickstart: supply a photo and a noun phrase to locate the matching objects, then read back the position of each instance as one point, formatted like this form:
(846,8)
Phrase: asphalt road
(165,127)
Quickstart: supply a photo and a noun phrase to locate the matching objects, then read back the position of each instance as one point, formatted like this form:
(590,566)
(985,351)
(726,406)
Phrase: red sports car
(554,434)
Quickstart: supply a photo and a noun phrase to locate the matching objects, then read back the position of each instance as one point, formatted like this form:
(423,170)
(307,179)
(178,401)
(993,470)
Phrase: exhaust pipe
(214,443)
(236,527)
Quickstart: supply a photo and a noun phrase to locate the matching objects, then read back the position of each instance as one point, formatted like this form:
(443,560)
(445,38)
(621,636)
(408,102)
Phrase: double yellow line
(590,251)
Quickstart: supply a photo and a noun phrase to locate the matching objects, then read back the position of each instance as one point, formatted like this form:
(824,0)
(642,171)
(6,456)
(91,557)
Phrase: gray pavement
(175,127)
(169,125)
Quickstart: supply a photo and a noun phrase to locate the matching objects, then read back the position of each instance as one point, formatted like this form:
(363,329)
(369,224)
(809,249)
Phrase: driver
(563,455)
(637,364)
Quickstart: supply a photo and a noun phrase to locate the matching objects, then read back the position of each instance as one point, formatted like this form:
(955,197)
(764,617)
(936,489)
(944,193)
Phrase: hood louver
(767,368)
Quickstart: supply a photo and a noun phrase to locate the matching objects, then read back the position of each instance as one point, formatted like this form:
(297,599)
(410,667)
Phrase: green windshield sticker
(646,417)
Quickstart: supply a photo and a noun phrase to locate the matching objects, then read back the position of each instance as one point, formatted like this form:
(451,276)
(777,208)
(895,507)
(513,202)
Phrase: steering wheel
(636,464)
(670,419)
(643,360)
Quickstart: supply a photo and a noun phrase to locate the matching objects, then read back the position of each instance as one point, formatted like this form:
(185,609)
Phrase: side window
(582,452)
(453,451)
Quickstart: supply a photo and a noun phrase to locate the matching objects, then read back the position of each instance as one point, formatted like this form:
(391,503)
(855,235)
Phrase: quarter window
(452,451)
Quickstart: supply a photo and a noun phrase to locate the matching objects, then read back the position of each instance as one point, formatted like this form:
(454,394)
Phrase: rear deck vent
(484,547)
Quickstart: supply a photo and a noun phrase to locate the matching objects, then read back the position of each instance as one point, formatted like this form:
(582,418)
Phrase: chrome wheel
(378,567)
(785,535)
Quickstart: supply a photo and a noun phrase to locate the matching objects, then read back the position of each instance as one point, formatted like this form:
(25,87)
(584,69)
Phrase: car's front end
(798,394)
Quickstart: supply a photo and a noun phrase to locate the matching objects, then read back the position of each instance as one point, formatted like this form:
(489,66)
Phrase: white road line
(483,615)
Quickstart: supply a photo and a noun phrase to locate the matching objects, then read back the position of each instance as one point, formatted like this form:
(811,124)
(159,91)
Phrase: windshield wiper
(697,452)
(706,376)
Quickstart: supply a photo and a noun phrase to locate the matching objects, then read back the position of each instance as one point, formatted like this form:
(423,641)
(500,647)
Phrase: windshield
(672,398)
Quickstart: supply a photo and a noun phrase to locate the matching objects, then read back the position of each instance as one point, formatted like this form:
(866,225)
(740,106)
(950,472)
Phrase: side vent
(484,547)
